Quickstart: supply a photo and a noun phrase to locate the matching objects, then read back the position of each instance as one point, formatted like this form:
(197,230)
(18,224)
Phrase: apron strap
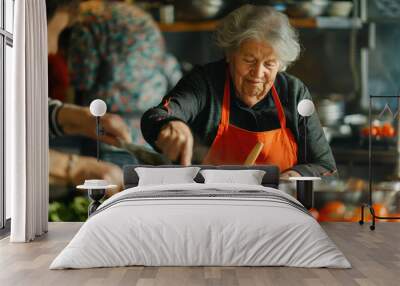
(226,103)
(279,108)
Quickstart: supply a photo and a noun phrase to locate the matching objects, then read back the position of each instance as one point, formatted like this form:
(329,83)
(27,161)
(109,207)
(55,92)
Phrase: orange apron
(232,144)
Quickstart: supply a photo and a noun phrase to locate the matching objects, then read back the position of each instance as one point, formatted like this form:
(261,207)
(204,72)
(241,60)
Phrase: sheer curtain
(27,124)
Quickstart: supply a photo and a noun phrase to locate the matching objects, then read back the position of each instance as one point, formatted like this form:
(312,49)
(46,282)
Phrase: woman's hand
(290,173)
(89,168)
(73,169)
(175,140)
(76,120)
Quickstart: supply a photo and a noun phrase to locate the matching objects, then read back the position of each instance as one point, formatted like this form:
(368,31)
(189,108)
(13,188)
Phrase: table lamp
(96,188)
(304,185)
(98,108)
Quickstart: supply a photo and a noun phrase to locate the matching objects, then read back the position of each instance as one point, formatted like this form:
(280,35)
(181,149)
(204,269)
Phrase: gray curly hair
(261,23)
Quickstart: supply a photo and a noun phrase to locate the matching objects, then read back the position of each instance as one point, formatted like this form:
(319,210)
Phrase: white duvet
(206,230)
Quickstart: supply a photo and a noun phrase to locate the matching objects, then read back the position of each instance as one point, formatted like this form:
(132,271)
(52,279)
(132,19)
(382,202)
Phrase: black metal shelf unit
(370,201)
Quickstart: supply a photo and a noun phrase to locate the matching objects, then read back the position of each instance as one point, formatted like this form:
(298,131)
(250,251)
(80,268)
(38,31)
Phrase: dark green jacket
(197,101)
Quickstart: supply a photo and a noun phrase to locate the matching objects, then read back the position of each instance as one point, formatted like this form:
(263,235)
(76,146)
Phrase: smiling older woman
(220,111)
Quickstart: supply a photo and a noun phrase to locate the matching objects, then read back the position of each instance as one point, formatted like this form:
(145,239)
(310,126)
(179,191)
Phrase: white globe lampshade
(98,107)
(305,107)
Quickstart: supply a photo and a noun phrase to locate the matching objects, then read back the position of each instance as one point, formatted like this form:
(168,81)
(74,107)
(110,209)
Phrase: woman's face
(253,68)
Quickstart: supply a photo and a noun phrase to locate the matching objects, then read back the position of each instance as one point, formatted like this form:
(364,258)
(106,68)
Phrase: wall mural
(238,107)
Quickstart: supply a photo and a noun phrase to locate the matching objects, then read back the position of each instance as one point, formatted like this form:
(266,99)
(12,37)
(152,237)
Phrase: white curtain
(27,124)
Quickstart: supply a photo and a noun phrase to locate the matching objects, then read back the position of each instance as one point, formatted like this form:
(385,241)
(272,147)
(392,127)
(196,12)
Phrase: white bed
(201,224)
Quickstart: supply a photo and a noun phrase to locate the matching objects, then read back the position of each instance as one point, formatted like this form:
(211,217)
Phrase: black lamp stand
(96,195)
(304,189)
(305,194)
(97,136)
(304,185)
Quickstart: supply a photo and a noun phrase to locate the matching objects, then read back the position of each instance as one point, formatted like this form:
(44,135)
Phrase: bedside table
(304,190)
(96,192)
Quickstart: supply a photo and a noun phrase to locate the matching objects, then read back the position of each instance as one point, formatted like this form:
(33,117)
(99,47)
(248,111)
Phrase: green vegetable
(75,210)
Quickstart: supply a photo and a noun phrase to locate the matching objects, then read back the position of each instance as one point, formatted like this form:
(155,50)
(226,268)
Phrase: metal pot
(340,8)
(306,9)
(198,10)
(330,112)
(387,193)
(356,123)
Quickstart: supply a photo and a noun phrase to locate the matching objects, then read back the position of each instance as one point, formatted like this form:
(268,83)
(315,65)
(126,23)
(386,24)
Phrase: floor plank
(374,255)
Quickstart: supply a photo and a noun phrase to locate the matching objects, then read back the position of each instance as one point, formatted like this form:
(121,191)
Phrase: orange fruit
(375,131)
(314,212)
(357,214)
(387,130)
(380,209)
(334,210)
(336,207)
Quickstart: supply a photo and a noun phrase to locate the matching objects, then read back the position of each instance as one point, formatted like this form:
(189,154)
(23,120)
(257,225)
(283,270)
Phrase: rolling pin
(253,155)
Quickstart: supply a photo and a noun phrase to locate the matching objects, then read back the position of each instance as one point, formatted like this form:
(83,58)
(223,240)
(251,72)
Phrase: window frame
(6,39)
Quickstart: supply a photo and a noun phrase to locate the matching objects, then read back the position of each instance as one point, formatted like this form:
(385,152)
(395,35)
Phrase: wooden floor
(374,255)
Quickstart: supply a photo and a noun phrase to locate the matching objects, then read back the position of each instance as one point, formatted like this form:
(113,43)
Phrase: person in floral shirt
(116,52)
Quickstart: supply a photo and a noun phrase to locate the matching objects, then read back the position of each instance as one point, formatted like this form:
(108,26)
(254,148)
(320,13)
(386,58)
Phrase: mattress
(201,225)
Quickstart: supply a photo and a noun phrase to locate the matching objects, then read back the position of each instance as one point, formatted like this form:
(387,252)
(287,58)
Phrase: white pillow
(249,177)
(163,176)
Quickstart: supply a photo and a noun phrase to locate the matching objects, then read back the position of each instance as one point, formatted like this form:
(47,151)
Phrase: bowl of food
(198,10)
(306,9)
(340,8)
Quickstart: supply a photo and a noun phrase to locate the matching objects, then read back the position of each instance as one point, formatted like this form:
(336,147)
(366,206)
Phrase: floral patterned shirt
(118,54)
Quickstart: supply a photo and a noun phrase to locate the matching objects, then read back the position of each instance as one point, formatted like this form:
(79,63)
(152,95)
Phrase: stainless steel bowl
(330,112)
(340,8)
(306,9)
(198,10)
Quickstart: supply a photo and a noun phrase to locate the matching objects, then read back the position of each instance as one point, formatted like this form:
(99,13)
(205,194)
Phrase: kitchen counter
(360,156)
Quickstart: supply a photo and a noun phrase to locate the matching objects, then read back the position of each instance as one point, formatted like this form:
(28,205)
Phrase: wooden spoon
(253,155)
